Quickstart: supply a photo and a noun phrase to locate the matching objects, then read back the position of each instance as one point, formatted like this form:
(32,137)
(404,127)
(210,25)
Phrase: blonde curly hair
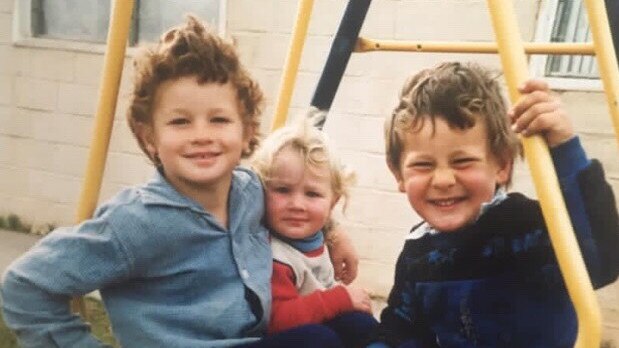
(313,146)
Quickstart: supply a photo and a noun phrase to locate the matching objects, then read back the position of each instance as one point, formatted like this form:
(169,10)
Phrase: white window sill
(67,45)
(574,84)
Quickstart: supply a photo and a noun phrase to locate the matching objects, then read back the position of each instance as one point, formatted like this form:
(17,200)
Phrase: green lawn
(101,327)
(98,320)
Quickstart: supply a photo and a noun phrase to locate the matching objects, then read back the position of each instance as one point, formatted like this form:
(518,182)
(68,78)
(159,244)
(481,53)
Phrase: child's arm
(290,309)
(343,255)
(37,287)
(588,197)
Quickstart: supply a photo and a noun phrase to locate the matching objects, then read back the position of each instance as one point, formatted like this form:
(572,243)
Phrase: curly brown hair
(460,94)
(191,49)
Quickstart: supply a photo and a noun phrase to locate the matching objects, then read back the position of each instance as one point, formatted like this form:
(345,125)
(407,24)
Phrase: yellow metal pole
(120,21)
(369,45)
(606,58)
(291,66)
(544,176)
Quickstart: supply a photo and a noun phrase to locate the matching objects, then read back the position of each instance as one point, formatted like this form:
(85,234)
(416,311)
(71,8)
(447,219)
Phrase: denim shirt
(169,274)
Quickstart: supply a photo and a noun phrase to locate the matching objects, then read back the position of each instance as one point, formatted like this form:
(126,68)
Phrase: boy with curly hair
(182,260)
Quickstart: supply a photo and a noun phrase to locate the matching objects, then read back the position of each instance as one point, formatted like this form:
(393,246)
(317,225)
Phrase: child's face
(449,174)
(298,198)
(197,133)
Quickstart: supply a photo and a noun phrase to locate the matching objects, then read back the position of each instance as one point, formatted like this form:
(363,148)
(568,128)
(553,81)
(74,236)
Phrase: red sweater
(290,309)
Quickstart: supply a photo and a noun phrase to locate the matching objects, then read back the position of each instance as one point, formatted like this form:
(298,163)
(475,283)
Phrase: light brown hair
(191,49)
(459,93)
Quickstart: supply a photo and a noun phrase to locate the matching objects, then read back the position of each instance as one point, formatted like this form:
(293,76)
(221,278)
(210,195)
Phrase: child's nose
(201,133)
(296,202)
(443,178)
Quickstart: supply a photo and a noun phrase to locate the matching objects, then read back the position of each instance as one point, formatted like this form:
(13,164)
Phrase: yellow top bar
(371,45)
(544,176)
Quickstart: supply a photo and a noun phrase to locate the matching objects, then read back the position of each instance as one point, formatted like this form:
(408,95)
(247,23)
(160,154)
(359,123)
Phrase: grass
(102,330)
(100,326)
(13,222)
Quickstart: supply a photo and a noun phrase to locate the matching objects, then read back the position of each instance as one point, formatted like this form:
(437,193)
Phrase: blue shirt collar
(306,244)
(158,191)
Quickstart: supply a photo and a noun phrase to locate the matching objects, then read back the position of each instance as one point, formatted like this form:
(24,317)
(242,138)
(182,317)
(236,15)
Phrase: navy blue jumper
(496,283)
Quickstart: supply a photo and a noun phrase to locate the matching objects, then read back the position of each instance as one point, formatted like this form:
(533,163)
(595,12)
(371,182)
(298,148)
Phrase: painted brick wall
(48,96)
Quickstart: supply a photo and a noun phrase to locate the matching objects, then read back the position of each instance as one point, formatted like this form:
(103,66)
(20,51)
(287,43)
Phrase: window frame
(23,36)
(537,63)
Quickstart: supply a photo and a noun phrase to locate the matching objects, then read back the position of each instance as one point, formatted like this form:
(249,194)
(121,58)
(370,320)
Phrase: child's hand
(539,112)
(360,298)
(343,255)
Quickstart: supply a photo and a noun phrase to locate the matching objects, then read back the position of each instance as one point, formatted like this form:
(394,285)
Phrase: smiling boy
(480,271)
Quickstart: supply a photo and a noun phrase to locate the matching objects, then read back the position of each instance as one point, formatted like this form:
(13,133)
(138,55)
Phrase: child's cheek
(273,205)
(479,182)
(416,188)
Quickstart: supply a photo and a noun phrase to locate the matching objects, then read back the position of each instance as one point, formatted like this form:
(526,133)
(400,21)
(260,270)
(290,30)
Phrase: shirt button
(244,274)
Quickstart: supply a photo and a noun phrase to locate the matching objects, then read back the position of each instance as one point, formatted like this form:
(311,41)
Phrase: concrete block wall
(48,97)
(47,102)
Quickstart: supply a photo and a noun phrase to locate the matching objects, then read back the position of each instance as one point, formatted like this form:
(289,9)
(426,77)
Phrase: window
(571,25)
(87,21)
(70,19)
(565,21)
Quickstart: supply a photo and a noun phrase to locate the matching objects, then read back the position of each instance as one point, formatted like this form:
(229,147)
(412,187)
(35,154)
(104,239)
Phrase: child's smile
(448,173)
(446,203)
(203,158)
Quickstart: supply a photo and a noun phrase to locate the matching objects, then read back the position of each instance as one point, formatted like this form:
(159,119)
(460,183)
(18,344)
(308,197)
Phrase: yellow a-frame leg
(291,66)
(546,183)
(606,57)
(120,20)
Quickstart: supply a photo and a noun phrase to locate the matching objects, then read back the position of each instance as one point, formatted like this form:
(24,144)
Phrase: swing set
(512,51)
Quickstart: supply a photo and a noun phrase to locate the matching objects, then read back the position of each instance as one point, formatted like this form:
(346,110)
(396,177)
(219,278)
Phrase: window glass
(84,20)
(88,20)
(156,16)
(571,25)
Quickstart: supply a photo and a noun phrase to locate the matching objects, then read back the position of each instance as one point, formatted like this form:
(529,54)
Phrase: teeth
(444,203)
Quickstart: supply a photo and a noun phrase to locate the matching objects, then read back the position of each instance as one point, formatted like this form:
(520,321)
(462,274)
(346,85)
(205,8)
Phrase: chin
(451,227)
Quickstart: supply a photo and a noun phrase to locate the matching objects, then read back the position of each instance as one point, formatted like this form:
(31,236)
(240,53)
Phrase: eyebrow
(220,109)
(177,110)
(184,110)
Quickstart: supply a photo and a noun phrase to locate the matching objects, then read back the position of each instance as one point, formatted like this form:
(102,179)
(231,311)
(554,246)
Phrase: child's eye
(281,189)
(178,121)
(221,119)
(421,165)
(313,194)
(463,162)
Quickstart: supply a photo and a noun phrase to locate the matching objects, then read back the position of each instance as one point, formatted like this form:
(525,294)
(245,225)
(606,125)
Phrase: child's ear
(335,200)
(148,139)
(504,172)
(398,176)
(249,131)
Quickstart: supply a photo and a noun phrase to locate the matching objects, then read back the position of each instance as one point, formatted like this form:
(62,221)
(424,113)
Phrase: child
(183,260)
(303,182)
(480,270)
